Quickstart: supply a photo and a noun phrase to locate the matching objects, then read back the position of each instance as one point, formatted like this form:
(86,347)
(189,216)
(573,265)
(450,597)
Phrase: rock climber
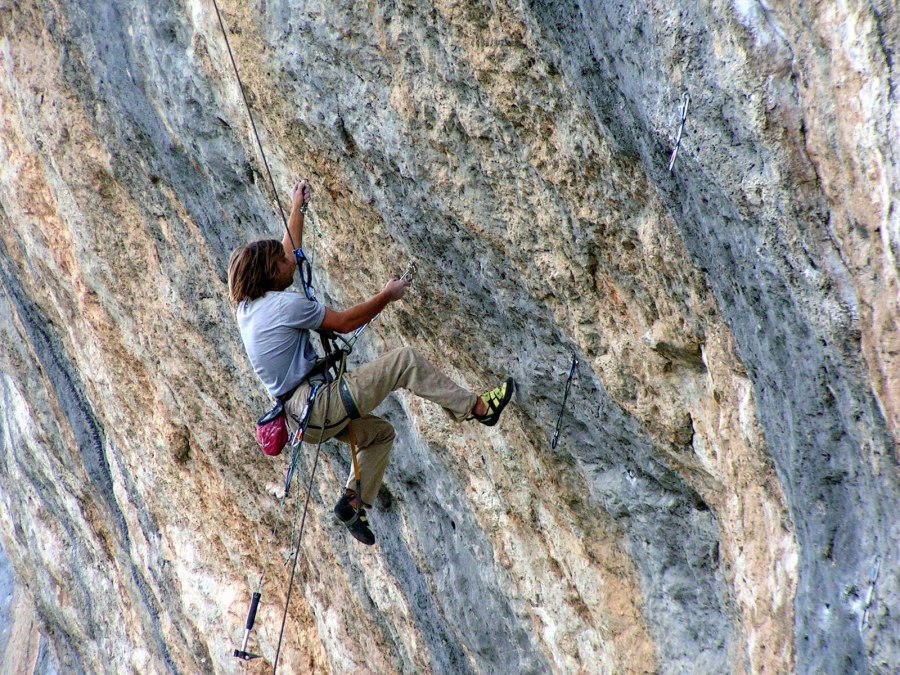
(276,326)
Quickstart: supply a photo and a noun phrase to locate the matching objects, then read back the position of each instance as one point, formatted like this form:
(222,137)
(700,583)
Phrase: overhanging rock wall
(727,475)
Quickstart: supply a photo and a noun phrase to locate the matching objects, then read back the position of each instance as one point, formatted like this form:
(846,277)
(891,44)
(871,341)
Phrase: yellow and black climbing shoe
(355,521)
(496,400)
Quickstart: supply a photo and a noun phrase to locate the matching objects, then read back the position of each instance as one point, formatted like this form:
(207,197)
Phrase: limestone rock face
(726,482)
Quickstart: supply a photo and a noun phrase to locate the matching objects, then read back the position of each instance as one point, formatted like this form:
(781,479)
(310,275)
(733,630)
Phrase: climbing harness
(331,369)
(685,101)
(870,594)
(565,398)
(296,438)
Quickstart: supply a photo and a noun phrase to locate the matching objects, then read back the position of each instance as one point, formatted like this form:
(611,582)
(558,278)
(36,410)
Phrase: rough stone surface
(727,475)
(7,584)
(23,649)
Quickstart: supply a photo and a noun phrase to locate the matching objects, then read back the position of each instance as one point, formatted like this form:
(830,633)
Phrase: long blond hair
(252,269)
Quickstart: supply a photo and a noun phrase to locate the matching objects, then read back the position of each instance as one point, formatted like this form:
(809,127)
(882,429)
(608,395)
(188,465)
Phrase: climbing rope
(252,121)
(565,398)
(335,360)
(303,264)
(296,552)
(295,441)
(305,268)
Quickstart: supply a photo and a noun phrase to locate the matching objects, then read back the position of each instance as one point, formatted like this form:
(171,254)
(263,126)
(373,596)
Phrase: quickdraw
(870,593)
(411,269)
(562,409)
(685,101)
(296,437)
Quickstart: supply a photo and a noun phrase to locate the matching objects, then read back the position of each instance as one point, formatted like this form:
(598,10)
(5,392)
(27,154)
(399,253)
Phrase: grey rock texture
(727,475)
(23,648)
(7,584)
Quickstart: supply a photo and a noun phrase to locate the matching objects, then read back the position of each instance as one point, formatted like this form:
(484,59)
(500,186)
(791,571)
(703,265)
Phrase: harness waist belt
(321,367)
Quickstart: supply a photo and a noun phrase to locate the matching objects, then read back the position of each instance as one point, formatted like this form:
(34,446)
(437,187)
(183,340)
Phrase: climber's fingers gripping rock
(301,193)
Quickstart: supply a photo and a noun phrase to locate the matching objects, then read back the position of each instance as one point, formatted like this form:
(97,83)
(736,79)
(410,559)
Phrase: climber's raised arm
(300,196)
(276,325)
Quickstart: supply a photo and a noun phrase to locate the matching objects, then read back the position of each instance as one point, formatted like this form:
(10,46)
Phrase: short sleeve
(298,312)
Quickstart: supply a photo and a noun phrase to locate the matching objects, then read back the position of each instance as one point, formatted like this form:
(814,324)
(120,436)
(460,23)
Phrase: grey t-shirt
(275,330)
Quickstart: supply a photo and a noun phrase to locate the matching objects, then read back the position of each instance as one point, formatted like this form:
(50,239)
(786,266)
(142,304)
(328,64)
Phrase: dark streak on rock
(90,440)
(792,372)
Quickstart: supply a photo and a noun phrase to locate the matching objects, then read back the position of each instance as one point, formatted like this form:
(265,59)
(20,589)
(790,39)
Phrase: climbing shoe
(357,523)
(496,400)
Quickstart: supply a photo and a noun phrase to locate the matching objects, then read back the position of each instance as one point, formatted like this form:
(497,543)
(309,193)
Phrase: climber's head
(257,268)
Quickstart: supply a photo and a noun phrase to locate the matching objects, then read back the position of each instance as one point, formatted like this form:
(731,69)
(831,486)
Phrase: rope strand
(267,557)
(312,477)
(562,408)
(253,123)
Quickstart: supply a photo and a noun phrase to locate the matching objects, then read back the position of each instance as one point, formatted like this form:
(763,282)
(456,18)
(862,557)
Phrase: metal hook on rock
(870,594)
(411,269)
(685,102)
(562,410)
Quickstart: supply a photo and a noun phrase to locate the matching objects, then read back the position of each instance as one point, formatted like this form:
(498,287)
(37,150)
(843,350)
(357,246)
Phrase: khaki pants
(368,386)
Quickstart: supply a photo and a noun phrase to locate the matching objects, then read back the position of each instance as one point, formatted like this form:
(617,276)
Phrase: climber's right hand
(396,288)
(301,193)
